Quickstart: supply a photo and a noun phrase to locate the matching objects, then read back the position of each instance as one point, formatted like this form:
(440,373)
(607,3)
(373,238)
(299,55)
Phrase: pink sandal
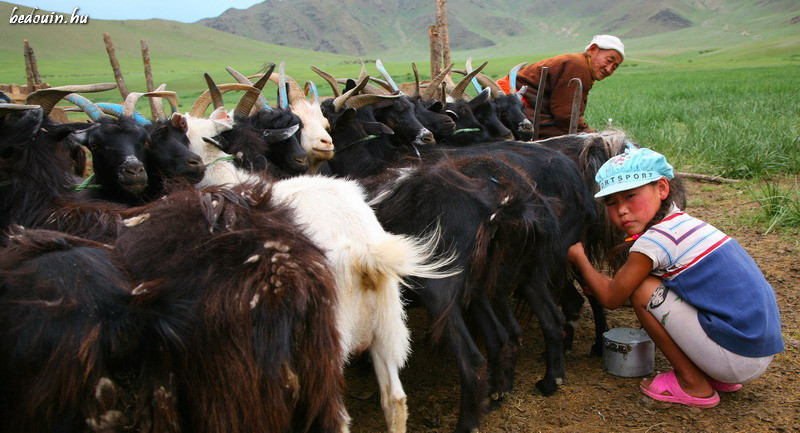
(724,386)
(667,382)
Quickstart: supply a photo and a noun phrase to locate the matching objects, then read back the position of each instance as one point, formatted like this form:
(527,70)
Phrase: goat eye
(147,143)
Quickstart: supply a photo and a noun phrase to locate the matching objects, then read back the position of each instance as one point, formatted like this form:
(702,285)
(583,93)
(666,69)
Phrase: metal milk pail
(628,352)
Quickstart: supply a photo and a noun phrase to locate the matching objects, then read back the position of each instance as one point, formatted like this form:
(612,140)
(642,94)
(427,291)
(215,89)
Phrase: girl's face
(631,210)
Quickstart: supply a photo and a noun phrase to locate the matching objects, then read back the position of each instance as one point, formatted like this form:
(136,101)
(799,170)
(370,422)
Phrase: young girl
(697,293)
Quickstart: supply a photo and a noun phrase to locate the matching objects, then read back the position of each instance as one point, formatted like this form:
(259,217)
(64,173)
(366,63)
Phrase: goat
(471,198)
(81,351)
(315,139)
(264,351)
(369,265)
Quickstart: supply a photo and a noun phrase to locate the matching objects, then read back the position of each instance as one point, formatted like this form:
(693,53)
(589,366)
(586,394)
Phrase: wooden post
(436,51)
(37,79)
(28,67)
(112,56)
(441,23)
(148,77)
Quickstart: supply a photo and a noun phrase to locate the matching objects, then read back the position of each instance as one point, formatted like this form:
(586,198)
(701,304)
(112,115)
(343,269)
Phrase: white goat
(369,263)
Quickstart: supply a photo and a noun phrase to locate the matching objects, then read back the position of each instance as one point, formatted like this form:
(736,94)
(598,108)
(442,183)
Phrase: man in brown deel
(600,59)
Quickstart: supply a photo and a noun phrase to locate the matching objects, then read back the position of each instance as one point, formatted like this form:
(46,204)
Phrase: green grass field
(731,110)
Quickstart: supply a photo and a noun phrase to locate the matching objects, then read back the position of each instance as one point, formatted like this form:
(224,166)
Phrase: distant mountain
(379,27)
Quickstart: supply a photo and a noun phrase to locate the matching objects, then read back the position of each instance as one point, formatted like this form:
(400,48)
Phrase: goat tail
(400,256)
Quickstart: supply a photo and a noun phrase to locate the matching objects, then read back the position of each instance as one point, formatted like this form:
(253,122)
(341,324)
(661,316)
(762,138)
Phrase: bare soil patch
(592,400)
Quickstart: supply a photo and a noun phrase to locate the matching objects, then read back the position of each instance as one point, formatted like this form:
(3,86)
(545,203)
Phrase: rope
(85,184)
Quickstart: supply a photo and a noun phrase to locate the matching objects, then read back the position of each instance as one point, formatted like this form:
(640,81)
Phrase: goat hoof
(546,387)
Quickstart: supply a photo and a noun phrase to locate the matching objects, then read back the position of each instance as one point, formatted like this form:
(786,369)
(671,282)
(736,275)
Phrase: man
(600,59)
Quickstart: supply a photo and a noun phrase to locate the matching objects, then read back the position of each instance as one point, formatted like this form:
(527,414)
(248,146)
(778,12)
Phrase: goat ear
(178,121)
(82,137)
(481,98)
(377,128)
(436,107)
(220,117)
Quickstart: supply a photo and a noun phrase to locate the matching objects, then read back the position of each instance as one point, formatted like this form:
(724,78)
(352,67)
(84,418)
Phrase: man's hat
(608,42)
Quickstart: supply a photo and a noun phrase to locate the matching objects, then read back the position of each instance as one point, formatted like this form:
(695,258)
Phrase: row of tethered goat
(202,280)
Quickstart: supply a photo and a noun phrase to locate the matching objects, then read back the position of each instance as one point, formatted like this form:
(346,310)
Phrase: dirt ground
(591,399)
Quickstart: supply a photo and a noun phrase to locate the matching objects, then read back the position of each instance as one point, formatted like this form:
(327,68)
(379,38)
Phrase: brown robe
(557,101)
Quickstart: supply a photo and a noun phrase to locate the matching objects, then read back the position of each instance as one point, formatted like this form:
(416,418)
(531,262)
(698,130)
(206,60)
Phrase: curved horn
(262,101)
(48,98)
(159,93)
(329,78)
(310,87)
(576,104)
(88,107)
(475,83)
(216,95)
(386,76)
(283,98)
(157,109)
(458,91)
(433,86)
(204,100)
(339,102)
(130,103)
(248,100)
(383,84)
(359,101)
(484,81)
(115,110)
(9,108)
(512,77)
(416,78)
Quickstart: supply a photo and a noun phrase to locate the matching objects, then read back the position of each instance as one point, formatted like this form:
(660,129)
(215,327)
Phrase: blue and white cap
(631,169)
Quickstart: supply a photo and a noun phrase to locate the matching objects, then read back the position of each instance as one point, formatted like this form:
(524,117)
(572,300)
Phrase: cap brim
(623,186)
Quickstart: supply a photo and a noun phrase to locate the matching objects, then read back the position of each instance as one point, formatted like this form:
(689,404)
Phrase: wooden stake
(37,79)
(28,67)
(112,56)
(436,51)
(148,77)
(441,23)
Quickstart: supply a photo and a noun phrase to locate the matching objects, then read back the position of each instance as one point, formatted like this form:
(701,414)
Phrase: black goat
(81,350)
(263,353)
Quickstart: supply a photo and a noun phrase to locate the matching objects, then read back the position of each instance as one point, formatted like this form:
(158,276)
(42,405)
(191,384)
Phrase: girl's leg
(691,379)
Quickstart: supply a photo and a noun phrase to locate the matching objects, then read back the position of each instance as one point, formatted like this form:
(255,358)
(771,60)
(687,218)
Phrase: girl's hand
(576,253)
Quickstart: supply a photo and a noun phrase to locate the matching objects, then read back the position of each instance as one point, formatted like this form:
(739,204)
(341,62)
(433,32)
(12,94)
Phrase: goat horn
(386,76)
(383,84)
(363,72)
(295,91)
(248,100)
(329,78)
(512,77)
(340,100)
(115,110)
(8,108)
(262,101)
(156,107)
(216,95)
(458,91)
(310,87)
(484,81)
(159,93)
(416,78)
(359,101)
(204,100)
(48,98)
(88,107)
(130,103)
(433,86)
(475,83)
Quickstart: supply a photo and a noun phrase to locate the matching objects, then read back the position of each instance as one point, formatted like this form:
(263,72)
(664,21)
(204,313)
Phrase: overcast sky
(186,11)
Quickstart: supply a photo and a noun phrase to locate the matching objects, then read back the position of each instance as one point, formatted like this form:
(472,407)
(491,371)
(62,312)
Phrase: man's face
(604,62)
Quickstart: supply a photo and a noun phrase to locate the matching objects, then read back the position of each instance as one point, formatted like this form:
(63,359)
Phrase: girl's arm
(611,292)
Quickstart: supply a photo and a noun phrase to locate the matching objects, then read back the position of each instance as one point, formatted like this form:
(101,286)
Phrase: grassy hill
(720,33)
(398,30)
